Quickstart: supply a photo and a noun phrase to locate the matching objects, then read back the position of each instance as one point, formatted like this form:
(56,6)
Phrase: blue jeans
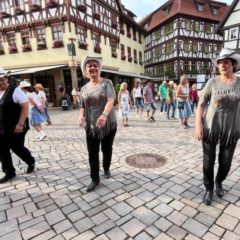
(169,105)
(163,105)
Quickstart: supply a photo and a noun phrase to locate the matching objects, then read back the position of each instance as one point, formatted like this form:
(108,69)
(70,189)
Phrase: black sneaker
(153,118)
(30,168)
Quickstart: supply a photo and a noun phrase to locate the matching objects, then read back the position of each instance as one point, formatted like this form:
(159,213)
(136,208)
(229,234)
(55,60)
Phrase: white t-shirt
(41,94)
(35,97)
(137,92)
(18,96)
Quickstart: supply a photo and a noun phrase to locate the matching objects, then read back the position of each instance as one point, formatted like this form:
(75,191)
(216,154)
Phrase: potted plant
(97,16)
(18,10)
(122,31)
(130,58)
(114,24)
(35,5)
(129,34)
(123,57)
(52,3)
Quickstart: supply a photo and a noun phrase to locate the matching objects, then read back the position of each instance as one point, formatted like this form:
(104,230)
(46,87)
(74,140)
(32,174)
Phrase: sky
(141,8)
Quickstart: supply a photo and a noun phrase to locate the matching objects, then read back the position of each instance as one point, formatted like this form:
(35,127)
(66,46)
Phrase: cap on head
(86,59)
(228,53)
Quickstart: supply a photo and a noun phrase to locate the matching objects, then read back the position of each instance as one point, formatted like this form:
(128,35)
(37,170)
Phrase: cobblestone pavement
(163,203)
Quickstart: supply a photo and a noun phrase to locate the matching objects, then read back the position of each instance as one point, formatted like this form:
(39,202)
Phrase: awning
(128,74)
(34,69)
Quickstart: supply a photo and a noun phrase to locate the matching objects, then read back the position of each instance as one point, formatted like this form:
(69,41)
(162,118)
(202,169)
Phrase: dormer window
(215,11)
(200,7)
(166,10)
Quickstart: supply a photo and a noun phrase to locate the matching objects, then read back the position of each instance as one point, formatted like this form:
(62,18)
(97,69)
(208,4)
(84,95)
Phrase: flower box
(1,50)
(4,14)
(122,31)
(129,34)
(135,60)
(83,45)
(57,44)
(12,49)
(18,10)
(97,16)
(52,3)
(35,6)
(82,7)
(123,57)
(27,48)
(114,25)
(114,55)
(97,48)
(130,59)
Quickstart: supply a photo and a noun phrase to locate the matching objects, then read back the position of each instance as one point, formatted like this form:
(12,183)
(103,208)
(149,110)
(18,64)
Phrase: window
(188,25)
(139,37)
(128,32)
(19,3)
(206,48)
(4,6)
(57,32)
(113,47)
(166,10)
(129,52)
(11,38)
(1,44)
(96,38)
(207,27)
(200,7)
(134,35)
(186,45)
(25,37)
(135,55)
(81,34)
(197,26)
(195,47)
(140,57)
(169,28)
(186,67)
(233,33)
(157,52)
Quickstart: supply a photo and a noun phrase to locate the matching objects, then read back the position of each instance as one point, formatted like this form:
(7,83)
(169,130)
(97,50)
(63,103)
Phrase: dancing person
(149,101)
(138,98)
(220,123)
(183,105)
(124,104)
(13,127)
(42,96)
(98,118)
(36,110)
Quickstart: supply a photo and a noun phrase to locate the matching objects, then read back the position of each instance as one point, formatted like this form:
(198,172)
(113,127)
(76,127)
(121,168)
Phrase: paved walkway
(164,203)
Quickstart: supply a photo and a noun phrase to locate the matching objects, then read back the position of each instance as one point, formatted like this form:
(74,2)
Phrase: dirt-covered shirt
(93,100)
(221,120)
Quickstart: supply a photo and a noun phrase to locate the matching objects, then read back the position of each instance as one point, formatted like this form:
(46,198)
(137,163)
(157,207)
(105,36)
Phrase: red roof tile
(186,7)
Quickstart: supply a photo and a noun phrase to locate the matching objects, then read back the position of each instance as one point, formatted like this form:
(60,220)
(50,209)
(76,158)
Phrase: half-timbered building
(45,40)
(181,38)
(229,27)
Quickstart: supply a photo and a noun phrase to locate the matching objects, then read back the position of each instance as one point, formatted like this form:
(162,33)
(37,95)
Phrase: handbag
(181,105)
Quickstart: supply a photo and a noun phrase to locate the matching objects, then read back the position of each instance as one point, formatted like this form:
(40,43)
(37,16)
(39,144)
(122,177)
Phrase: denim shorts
(150,106)
(139,102)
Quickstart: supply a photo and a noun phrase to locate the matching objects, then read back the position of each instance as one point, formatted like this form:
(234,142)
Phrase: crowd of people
(217,116)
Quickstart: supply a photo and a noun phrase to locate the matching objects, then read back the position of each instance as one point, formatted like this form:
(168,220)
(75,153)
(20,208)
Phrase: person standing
(193,97)
(42,97)
(13,127)
(36,109)
(170,100)
(124,104)
(220,123)
(98,118)
(149,101)
(75,94)
(163,96)
(138,98)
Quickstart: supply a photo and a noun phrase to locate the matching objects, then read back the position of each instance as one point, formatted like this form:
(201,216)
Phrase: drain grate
(146,160)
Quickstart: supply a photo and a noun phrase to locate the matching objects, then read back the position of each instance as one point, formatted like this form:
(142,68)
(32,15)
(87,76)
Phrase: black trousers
(225,157)
(93,145)
(14,142)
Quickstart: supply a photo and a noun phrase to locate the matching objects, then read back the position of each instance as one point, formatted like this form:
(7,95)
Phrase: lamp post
(72,63)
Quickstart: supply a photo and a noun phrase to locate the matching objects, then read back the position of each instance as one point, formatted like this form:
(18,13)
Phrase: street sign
(71,49)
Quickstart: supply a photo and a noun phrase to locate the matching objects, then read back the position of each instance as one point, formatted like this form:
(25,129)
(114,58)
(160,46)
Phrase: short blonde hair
(123,85)
(183,79)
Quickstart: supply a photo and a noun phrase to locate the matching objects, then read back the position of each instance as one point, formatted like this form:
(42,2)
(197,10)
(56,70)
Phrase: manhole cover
(146,160)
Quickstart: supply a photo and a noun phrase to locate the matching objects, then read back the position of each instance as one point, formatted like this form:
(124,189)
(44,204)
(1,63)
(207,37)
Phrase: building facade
(229,27)
(181,39)
(45,41)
